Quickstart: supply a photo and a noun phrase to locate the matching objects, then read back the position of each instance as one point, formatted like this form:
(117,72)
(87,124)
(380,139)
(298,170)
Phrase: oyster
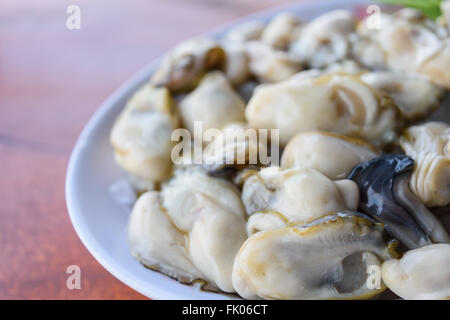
(191,186)
(385,196)
(214,103)
(183,67)
(411,43)
(237,68)
(420,274)
(141,134)
(367,52)
(325,39)
(297,194)
(270,65)
(415,95)
(332,154)
(187,232)
(429,146)
(340,103)
(328,258)
(156,242)
(282,30)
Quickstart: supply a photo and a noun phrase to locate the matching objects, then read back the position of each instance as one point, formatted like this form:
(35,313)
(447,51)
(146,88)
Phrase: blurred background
(52,79)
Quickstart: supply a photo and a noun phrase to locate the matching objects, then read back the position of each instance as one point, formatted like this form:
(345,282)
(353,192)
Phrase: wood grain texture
(51,81)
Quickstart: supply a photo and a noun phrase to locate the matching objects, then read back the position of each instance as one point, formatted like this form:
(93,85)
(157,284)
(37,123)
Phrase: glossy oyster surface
(385,195)
(187,232)
(421,274)
(410,42)
(297,194)
(141,134)
(332,154)
(339,103)
(327,258)
(429,146)
(214,104)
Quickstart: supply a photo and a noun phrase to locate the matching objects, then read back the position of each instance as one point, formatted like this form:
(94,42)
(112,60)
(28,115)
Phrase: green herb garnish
(431,8)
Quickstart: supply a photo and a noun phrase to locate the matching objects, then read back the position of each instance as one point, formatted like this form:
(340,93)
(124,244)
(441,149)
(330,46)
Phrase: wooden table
(51,81)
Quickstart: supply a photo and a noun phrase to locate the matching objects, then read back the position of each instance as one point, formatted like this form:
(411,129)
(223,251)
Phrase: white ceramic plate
(99,221)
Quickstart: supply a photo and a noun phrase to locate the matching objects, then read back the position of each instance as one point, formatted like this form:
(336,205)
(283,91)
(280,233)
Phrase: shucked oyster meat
(282,30)
(183,67)
(420,274)
(156,242)
(237,67)
(409,42)
(141,134)
(213,104)
(414,94)
(325,40)
(332,154)
(328,258)
(270,65)
(429,146)
(298,194)
(340,103)
(187,233)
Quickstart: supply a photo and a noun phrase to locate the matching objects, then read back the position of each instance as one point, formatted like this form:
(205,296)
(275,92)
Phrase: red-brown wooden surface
(51,81)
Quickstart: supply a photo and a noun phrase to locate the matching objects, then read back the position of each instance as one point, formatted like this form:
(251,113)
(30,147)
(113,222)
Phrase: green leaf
(431,8)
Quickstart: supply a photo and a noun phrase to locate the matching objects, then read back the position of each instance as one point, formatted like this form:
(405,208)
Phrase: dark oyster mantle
(385,196)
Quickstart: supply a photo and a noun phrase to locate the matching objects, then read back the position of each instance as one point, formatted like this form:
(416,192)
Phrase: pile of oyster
(359,199)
